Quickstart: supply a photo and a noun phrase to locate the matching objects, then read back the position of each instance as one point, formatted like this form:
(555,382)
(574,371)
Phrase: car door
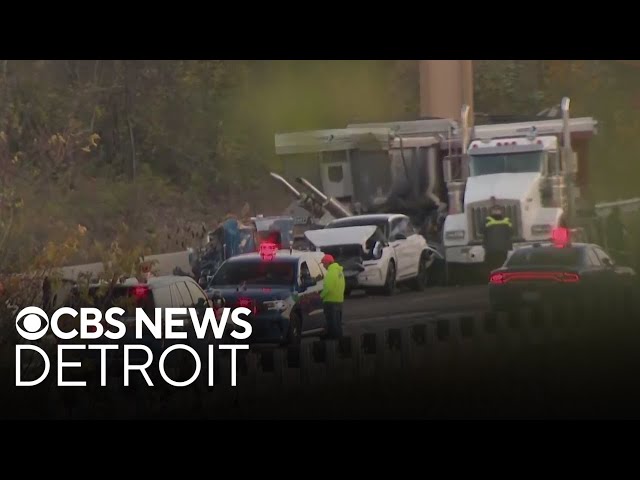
(415,244)
(200,303)
(400,245)
(609,280)
(317,307)
(623,276)
(309,298)
(593,274)
(187,301)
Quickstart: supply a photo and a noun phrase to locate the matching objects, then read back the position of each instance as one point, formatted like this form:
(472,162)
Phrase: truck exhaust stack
(464,120)
(564,106)
(287,185)
(331,205)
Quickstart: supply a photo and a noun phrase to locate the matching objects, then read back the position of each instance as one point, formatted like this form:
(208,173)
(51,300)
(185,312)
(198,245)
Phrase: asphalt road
(406,307)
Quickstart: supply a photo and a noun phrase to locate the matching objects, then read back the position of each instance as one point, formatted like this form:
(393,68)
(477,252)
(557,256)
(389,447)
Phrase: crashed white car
(376,251)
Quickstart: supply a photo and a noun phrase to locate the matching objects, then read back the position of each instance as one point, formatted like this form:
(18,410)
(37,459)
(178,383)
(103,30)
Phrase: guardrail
(432,344)
(444,350)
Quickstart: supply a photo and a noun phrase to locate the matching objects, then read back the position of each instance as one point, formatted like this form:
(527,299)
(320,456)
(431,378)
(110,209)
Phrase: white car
(376,251)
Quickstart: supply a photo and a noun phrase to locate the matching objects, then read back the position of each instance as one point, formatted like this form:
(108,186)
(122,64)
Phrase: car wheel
(422,278)
(390,283)
(295,329)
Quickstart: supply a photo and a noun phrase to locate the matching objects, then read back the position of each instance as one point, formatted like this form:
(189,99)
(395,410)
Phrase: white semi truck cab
(529,168)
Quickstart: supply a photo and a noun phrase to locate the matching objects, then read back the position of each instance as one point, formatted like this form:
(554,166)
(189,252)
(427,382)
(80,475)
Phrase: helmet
(327,259)
(217,299)
(497,211)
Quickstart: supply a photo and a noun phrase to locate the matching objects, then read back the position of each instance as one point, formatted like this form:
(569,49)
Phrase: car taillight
(561,277)
(496,278)
(570,277)
(247,303)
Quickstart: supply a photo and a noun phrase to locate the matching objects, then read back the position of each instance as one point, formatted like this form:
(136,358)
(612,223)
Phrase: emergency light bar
(560,237)
(268,250)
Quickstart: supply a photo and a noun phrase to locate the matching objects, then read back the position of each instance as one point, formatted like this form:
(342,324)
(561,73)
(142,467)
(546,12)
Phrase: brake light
(570,277)
(247,303)
(561,277)
(140,292)
(244,302)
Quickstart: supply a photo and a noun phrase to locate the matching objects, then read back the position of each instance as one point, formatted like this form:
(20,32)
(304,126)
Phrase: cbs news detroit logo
(167,326)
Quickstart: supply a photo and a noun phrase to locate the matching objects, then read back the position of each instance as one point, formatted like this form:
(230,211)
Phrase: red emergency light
(560,237)
(268,250)
(140,292)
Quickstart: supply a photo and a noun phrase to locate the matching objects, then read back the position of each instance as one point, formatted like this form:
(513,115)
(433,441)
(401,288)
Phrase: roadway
(372,312)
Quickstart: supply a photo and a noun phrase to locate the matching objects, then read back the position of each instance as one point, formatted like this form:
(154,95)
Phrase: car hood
(258,293)
(331,237)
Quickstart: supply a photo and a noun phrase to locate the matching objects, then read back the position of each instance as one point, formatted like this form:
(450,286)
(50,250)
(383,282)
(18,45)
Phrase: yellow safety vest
(492,221)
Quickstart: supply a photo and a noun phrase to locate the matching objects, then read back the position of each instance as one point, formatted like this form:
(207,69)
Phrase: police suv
(281,288)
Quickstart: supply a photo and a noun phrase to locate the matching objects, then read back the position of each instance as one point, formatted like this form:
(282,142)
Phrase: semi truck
(444,175)
(536,170)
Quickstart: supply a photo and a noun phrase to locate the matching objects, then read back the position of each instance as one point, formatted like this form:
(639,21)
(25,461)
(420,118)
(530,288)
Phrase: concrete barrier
(430,346)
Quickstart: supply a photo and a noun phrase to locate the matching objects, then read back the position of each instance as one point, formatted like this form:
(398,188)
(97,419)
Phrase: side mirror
(202,281)
(607,263)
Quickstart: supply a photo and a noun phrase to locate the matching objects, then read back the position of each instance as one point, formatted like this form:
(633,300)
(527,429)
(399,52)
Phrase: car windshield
(546,256)
(382,225)
(255,272)
(505,163)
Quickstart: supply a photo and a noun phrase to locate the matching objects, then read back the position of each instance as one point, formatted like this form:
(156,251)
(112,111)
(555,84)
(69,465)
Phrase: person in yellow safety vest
(333,296)
(497,237)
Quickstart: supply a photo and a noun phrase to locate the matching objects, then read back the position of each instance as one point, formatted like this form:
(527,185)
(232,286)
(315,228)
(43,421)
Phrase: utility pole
(446,85)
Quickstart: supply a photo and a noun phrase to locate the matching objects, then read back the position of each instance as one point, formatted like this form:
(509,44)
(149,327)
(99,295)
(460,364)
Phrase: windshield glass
(548,256)
(382,225)
(256,272)
(505,163)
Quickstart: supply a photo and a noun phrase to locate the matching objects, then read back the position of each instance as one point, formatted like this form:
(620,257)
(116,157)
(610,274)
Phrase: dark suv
(282,292)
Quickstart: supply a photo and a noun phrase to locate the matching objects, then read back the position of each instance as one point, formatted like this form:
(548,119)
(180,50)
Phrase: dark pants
(494,260)
(333,314)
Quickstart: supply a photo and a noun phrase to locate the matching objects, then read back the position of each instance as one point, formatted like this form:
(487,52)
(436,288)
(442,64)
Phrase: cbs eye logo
(35,323)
